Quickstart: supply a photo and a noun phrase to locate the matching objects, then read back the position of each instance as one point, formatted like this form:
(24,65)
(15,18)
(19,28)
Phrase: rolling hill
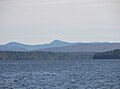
(114,54)
(84,47)
(15,46)
(61,46)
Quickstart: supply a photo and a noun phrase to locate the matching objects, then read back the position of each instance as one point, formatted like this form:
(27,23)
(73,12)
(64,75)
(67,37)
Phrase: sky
(42,21)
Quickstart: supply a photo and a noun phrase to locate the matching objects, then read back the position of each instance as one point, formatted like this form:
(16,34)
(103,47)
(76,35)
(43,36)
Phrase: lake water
(60,74)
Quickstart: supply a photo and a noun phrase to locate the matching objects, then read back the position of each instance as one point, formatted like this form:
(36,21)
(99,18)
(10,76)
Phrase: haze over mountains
(61,46)
(15,46)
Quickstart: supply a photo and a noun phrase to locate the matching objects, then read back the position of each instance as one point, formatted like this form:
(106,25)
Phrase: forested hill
(114,54)
(31,55)
(38,55)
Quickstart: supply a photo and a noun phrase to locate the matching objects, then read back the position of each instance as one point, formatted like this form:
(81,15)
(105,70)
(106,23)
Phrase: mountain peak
(58,42)
(13,44)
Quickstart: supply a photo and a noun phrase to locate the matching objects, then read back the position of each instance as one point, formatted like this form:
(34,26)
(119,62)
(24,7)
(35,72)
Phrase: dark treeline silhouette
(114,54)
(32,55)
(38,55)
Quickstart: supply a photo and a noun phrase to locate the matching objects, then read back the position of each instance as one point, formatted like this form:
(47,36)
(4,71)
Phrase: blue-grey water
(60,74)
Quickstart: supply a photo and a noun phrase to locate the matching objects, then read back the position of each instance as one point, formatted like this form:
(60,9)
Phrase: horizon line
(59,40)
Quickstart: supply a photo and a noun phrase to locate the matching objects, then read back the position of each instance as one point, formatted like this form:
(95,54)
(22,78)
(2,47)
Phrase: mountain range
(15,46)
(62,46)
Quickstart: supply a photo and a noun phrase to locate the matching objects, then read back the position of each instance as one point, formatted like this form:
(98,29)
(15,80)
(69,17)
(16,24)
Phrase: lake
(60,74)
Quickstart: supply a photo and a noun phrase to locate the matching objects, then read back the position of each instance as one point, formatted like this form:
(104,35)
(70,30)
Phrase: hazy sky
(41,21)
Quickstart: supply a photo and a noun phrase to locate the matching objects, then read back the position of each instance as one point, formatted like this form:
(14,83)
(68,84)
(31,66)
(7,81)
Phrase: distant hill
(114,54)
(84,47)
(62,46)
(15,46)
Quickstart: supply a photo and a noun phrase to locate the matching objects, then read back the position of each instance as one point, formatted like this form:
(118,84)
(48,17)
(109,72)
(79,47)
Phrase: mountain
(12,46)
(15,46)
(58,43)
(62,46)
(84,47)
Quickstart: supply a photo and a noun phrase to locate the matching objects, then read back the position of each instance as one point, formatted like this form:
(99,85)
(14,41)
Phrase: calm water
(60,74)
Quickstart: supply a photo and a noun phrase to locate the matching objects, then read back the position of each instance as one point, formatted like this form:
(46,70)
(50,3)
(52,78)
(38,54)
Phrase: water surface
(60,74)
